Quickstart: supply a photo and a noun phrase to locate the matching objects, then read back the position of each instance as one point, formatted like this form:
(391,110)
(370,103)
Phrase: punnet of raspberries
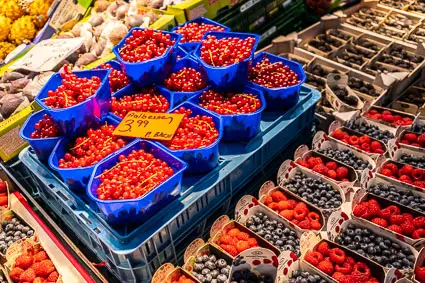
(389,117)
(364,142)
(193,32)
(420,274)
(391,217)
(404,173)
(336,263)
(413,139)
(329,169)
(235,241)
(183,279)
(295,211)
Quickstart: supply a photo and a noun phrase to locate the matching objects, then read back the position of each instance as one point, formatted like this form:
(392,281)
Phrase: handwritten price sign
(156,126)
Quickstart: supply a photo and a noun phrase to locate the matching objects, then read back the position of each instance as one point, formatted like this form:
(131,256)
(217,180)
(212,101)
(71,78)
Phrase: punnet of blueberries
(274,232)
(396,194)
(315,191)
(305,277)
(347,157)
(247,276)
(413,160)
(13,231)
(211,269)
(370,130)
(380,249)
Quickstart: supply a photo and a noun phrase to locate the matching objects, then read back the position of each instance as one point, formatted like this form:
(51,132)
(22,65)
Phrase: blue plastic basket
(200,160)
(116,66)
(42,147)
(180,96)
(135,89)
(238,127)
(281,98)
(231,77)
(75,178)
(150,71)
(131,211)
(180,52)
(73,120)
(190,46)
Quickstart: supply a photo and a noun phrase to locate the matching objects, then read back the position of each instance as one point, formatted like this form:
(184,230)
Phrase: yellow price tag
(146,125)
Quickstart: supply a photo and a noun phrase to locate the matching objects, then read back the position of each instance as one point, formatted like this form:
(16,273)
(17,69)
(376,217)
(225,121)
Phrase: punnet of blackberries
(284,238)
(362,86)
(13,231)
(247,276)
(347,157)
(343,95)
(211,269)
(370,130)
(305,277)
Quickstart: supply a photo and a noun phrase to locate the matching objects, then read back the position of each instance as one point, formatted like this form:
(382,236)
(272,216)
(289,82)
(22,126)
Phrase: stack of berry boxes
(200,70)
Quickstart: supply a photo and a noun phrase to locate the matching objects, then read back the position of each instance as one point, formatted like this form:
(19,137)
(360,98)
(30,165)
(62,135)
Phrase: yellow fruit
(11,9)
(39,8)
(22,29)
(5,25)
(5,49)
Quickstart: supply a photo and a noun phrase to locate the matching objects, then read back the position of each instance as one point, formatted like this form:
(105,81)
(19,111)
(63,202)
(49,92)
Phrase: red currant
(187,79)
(45,128)
(273,75)
(117,79)
(229,103)
(193,32)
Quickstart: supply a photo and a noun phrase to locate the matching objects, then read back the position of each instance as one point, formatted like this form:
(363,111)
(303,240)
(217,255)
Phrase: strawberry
(242,236)
(341,173)
(278,196)
(395,228)
(411,137)
(230,249)
(326,266)
(4,200)
(375,145)
(332,174)
(405,170)
(15,273)
(287,213)
(392,167)
(407,228)
(344,268)
(337,256)
(28,275)
(420,274)
(242,245)
(419,233)
(323,248)
(386,112)
(312,257)
(396,219)
(380,221)
(365,139)
(303,163)
(331,165)
(397,117)
(321,169)
(373,111)
(418,174)
(338,134)
(252,242)
(421,140)
(419,222)
(388,118)
(305,224)
(386,172)
(41,255)
(24,261)
(405,179)
(45,267)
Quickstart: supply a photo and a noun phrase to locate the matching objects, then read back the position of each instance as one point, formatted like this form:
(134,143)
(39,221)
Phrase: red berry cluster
(3,194)
(193,32)
(226,51)
(273,75)
(330,169)
(295,211)
(73,90)
(186,79)
(148,100)
(235,241)
(391,218)
(45,128)
(193,132)
(117,79)
(404,173)
(413,139)
(420,274)
(183,279)
(389,117)
(133,176)
(144,45)
(90,149)
(364,142)
(229,103)
(343,268)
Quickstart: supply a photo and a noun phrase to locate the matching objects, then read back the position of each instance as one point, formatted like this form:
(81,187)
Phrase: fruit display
(347,157)
(380,249)
(389,117)
(397,219)
(363,142)
(117,78)
(305,276)
(247,276)
(326,167)
(369,129)
(33,265)
(13,229)
(193,31)
(229,103)
(273,75)
(146,100)
(284,238)
(211,267)
(45,128)
(316,191)
(338,264)
(90,149)
(412,139)
(234,241)
(404,173)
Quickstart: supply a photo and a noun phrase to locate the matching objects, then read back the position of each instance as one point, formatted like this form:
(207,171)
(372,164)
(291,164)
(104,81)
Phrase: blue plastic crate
(133,253)
(190,46)
(133,211)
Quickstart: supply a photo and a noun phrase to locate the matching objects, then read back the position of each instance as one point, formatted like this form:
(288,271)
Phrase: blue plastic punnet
(199,160)
(75,178)
(131,211)
(228,78)
(190,46)
(150,71)
(43,147)
(73,120)
(180,96)
(281,98)
(239,127)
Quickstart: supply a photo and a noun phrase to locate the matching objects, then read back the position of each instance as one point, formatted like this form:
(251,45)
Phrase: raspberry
(354,140)
(230,249)
(420,274)
(313,216)
(15,273)
(395,228)
(284,204)
(53,277)
(404,141)
(360,210)
(311,258)
(408,217)
(326,266)
(305,224)
(380,222)
(344,268)
(287,213)
(405,170)
(337,256)
(315,225)
(405,179)
(372,212)
(299,213)
(323,248)
(392,167)
(321,169)
(313,161)
(331,165)
(233,232)
(418,234)
(411,137)
(421,140)
(386,172)
(242,236)
(375,145)
(338,134)
(302,206)
(252,242)
(379,151)
(27,276)
(273,206)
(351,261)
(303,163)
(268,200)
(407,228)
(341,173)
(332,174)
(373,204)
(365,147)
(242,245)
(361,269)
(278,196)
(420,184)
(372,280)
(365,139)
(396,219)
(338,276)
(418,174)
(394,209)
(419,222)
(24,261)
(44,268)
(227,240)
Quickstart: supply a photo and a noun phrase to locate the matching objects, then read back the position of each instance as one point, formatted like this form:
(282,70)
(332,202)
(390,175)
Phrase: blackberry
(380,249)
(396,62)
(320,45)
(370,130)
(339,34)
(347,157)
(367,44)
(319,83)
(362,86)
(396,194)
(321,72)
(342,94)
(412,96)
(210,268)
(315,191)
(305,277)
(329,40)
(246,276)
(399,51)
(274,232)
